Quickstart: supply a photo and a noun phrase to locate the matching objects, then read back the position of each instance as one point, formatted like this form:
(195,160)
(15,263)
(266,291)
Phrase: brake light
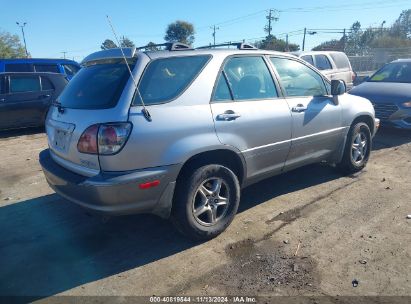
(112,137)
(88,140)
(353,76)
(104,139)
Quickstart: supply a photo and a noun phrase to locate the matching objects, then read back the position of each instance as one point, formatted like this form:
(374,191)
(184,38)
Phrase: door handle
(44,96)
(2,99)
(299,108)
(228,115)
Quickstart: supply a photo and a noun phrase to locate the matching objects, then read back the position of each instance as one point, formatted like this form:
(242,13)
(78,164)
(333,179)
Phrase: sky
(78,27)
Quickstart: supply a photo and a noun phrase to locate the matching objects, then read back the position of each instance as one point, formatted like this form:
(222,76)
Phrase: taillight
(112,137)
(353,76)
(88,140)
(104,139)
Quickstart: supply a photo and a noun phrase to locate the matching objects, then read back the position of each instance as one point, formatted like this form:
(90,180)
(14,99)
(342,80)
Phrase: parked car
(62,66)
(389,90)
(203,124)
(25,98)
(334,65)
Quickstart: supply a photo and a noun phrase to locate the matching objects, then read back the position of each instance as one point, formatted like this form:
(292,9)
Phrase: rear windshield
(165,79)
(97,86)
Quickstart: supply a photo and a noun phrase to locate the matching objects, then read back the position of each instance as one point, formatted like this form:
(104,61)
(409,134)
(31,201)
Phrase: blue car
(389,90)
(61,66)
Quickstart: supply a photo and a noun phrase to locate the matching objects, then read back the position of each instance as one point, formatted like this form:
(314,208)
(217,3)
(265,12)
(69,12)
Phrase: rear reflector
(149,184)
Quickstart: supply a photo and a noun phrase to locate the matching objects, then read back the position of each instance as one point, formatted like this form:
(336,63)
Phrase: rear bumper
(114,193)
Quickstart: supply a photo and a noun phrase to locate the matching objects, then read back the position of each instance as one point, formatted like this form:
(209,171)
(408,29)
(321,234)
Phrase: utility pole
(344,41)
(64,54)
(273,15)
(24,38)
(305,32)
(214,28)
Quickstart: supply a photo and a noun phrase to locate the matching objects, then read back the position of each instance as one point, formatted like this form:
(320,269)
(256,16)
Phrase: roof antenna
(144,110)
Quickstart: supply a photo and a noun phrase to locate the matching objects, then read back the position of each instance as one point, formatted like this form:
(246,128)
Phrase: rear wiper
(57,104)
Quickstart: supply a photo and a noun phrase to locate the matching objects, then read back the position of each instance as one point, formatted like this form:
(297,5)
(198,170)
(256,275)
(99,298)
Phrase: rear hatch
(100,92)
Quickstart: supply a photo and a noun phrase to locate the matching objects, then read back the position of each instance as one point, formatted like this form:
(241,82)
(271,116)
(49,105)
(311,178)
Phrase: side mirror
(337,87)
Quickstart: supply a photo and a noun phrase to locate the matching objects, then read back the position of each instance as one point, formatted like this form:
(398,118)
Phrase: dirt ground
(310,232)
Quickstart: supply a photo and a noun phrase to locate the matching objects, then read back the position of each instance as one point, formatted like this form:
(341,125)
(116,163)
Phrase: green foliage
(180,31)
(273,43)
(108,44)
(10,46)
(125,42)
(151,46)
(331,45)
(361,42)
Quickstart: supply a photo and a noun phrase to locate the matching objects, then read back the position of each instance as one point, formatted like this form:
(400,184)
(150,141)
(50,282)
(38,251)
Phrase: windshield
(97,86)
(393,72)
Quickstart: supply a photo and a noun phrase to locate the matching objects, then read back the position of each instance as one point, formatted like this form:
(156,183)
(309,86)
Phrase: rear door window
(18,67)
(46,84)
(21,84)
(52,68)
(322,62)
(308,58)
(97,86)
(166,78)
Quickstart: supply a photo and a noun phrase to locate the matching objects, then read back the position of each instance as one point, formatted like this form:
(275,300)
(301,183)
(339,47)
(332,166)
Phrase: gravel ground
(309,232)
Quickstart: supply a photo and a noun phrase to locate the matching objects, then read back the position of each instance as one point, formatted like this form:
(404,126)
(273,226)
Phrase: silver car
(203,124)
(334,65)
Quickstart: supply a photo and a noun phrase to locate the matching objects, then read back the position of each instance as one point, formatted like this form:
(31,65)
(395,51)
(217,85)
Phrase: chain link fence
(376,58)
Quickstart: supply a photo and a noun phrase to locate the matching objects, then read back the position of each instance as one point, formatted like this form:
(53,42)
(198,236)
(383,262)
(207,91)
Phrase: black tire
(188,198)
(349,164)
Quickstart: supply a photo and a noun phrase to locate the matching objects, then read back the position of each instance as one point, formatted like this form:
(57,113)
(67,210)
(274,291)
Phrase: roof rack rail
(239,45)
(169,46)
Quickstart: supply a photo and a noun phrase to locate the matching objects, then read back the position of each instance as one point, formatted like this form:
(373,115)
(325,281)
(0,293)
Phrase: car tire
(357,149)
(205,202)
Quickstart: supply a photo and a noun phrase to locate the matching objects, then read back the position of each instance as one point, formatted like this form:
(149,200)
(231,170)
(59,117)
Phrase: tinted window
(341,60)
(52,68)
(24,84)
(165,79)
(308,58)
(393,72)
(96,86)
(18,67)
(249,78)
(222,92)
(46,84)
(298,79)
(322,62)
(70,69)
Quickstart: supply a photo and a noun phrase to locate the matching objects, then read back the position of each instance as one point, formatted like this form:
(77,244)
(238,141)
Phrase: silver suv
(203,124)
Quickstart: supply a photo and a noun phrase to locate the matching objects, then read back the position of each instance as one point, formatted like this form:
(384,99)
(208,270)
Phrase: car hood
(382,92)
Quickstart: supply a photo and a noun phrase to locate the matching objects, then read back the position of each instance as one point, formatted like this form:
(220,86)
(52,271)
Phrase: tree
(402,26)
(273,43)
(151,46)
(125,42)
(180,31)
(331,45)
(108,44)
(10,46)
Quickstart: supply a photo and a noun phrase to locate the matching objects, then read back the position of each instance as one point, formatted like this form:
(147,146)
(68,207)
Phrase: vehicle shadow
(4,134)
(48,245)
(390,137)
